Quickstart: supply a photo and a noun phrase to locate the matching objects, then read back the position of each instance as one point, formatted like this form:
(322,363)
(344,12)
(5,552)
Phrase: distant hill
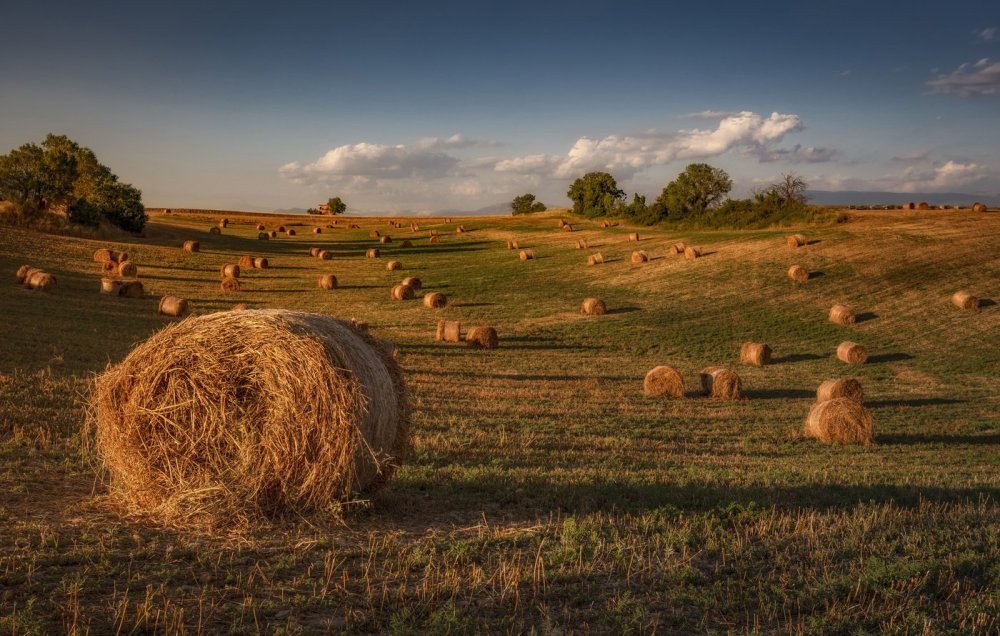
(856,197)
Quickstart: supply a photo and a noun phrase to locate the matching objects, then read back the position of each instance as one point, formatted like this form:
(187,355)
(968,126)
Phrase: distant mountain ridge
(860,197)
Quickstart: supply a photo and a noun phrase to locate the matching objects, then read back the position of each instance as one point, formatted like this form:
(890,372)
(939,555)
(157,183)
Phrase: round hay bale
(581,244)
(127,269)
(230,284)
(325,255)
(317,230)
(842,315)
(401,292)
(246,262)
(755,353)
(595,259)
(460,229)
(923,206)
(22,272)
(290,232)
(634,236)
(374,234)
(272,234)
(678,248)
(482,338)
(605,224)
(224,223)
(593,307)
(964,300)
(909,205)
(131,289)
(840,421)
(449,331)
(385,239)
(354,226)
(372,253)
(798,273)
(109,268)
(721,383)
(640,256)
(434,240)
(663,381)
(512,245)
(260,227)
(852,352)
(261,263)
(692,252)
(28,274)
(104,255)
(239,445)
(230,271)
(435,300)
(328,281)
(192,246)
(40,281)
(172,306)
(110,286)
(562,223)
(795,240)
(263,236)
(567,228)
(393,266)
(527,255)
(214,230)
(978,207)
(314,251)
(406,243)
(281,228)
(413,282)
(434,232)
(840,388)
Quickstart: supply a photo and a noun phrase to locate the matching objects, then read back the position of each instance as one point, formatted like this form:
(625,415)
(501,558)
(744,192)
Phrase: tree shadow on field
(865,316)
(777,394)
(889,357)
(990,439)
(796,357)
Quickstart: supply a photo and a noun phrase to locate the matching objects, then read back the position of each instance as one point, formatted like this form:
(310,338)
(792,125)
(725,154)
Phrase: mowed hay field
(544,493)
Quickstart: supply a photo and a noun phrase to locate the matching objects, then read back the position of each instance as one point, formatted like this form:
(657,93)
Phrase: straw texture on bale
(595,259)
(842,315)
(721,383)
(246,262)
(172,306)
(795,240)
(230,284)
(205,422)
(640,256)
(840,421)
(385,239)
(131,289)
(593,307)
(978,207)
(393,266)
(965,300)
(402,292)
(527,255)
(482,338)
(263,236)
(449,331)
(325,255)
(328,281)
(110,286)
(840,388)
(413,282)
(104,255)
(677,248)
(214,230)
(435,300)
(261,262)
(634,236)
(512,245)
(372,253)
(40,281)
(852,352)
(22,272)
(798,273)
(127,269)
(192,246)
(581,244)
(663,381)
(692,252)
(756,353)
(230,270)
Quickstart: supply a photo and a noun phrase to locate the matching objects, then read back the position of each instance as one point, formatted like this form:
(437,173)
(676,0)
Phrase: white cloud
(530,164)
(969,80)
(798,154)
(708,114)
(986,34)
(344,164)
(950,176)
(468,188)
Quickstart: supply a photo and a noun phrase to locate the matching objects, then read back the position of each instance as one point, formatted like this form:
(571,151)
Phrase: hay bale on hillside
(692,252)
(328,281)
(105,255)
(230,284)
(663,381)
(435,300)
(840,388)
(240,307)
(593,307)
(263,236)
(192,246)
(373,234)
(605,224)
(131,289)
(261,263)
(272,234)
(634,236)
(567,228)
(721,383)
(512,245)
(127,269)
(238,445)
(841,421)
(527,255)
(393,266)
(581,244)
(402,292)
(326,255)
(909,205)
(842,315)
(978,207)
(755,353)
(372,253)
(260,227)
(214,230)
(677,248)
(314,251)
(640,256)
(852,352)
(229,270)
(413,282)
(965,300)
(562,223)
(23,271)
(448,331)
(385,239)
(482,338)
(414,227)
(795,240)
(246,261)
(354,226)
(224,223)
(460,229)
(172,306)
(923,205)
(317,230)
(40,281)
(798,273)
(595,259)
(110,286)
(434,240)
(281,228)
(290,232)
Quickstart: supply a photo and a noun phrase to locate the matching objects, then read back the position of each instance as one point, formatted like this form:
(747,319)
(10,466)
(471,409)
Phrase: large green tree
(336,205)
(526,204)
(699,188)
(595,194)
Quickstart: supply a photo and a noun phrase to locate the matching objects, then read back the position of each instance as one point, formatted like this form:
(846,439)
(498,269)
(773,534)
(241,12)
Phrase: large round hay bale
(40,281)
(230,284)
(448,331)
(512,244)
(241,441)
(372,253)
(314,251)
(127,269)
(172,306)
(110,286)
(28,273)
(402,292)
(593,307)
(192,246)
(261,262)
(852,352)
(374,234)
(435,300)
(964,300)
(841,421)
(230,270)
(678,248)
(634,236)
(131,289)
(663,381)
(215,230)
(978,207)
(392,266)
(482,338)
(260,227)
(527,255)
(692,252)
(923,205)
(842,315)
(385,239)
(110,268)
(721,383)
(581,244)
(325,255)
(263,236)
(595,259)
(756,353)
(640,256)
(328,281)
(795,240)
(798,273)
(246,262)
(413,282)
(840,388)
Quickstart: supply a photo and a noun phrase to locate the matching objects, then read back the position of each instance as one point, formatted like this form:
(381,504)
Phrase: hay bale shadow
(473,304)
(987,302)
(865,316)
(906,439)
(623,310)
(796,357)
(813,242)
(936,401)
(813,275)
(778,394)
(889,357)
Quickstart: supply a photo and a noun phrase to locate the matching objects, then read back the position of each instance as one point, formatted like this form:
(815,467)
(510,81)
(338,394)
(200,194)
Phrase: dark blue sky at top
(167,91)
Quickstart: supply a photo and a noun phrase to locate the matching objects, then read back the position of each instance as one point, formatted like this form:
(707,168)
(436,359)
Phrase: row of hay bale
(479,337)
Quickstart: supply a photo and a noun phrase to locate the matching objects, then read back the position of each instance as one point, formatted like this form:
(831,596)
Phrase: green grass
(544,492)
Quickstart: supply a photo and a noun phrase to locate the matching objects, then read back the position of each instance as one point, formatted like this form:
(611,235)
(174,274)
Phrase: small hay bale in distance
(482,338)
(965,300)
(40,281)
(567,228)
(192,246)
(448,331)
(224,223)
(240,307)
(434,240)
(909,205)
(413,282)
(393,266)
(317,230)
(172,306)
(272,234)
(372,253)
(260,227)
(314,251)
(640,256)
(214,230)
(798,273)
(840,421)
(238,446)
(460,229)
(325,255)
(581,244)
(593,307)
(677,248)
(605,224)
(435,300)
(852,352)
(385,239)
(328,281)
(663,381)
(127,269)
(246,262)
(840,388)
(923,205)
(755,353)
(374,234)
(595,259)
(721,383)
(795,240)
(562,223)
(263,236)
(230,284)
(634,236)
(978,207)
(131,289)
(842,315)
(261,262)
(692,252)
(229,270)
(527,255)
(401,292)
(110,286)
(511,244)
(281,228)
(290,232)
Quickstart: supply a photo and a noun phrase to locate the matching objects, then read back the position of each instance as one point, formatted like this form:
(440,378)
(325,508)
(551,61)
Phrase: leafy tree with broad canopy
(526,204)
(595,194)
(699,188)
(336,205)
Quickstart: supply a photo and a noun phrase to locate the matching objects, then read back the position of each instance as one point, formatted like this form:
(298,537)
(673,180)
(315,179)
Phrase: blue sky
(412,107)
